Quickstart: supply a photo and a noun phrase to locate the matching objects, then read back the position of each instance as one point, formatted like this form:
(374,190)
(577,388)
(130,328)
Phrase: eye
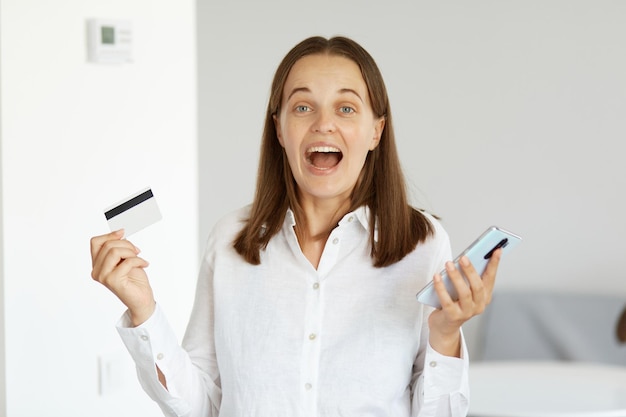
(302,109)
(346,110)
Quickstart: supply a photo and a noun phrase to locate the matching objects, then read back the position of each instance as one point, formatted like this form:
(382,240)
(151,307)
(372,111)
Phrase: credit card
(134,213)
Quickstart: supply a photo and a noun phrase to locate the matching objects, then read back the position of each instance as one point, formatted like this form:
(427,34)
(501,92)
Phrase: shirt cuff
(445,374)
(152,342)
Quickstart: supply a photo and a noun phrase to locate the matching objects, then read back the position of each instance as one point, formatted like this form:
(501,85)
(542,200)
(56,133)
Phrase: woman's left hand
(445,323)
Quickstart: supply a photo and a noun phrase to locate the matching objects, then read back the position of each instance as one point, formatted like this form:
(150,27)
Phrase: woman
(305,303)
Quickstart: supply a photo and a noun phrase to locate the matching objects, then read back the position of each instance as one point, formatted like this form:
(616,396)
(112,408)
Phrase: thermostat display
(110,41)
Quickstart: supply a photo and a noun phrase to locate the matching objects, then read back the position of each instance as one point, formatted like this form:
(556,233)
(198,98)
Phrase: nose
(324,123)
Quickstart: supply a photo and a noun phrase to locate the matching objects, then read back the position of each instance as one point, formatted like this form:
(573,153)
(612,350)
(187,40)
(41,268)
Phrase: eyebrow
(298,90)
(349,90)
(308,90)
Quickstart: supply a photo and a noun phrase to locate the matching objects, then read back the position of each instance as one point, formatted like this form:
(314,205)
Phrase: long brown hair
(381,184)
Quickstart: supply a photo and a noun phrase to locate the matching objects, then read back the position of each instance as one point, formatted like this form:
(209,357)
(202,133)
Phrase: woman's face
(327,126)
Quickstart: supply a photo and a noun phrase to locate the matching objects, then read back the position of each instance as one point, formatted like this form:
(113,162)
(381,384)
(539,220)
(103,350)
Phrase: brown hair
(381,184)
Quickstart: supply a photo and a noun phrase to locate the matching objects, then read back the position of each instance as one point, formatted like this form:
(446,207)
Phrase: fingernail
(464,261)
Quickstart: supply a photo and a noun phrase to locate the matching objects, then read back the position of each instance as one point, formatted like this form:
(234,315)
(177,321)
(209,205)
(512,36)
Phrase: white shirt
(284,339)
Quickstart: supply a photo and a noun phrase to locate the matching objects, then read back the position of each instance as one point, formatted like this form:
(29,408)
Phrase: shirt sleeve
(190,368)
(189,391)
(440,383)
(442,388)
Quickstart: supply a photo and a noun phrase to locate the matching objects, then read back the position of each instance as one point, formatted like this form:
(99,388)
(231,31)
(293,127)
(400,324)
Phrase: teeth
(325,149)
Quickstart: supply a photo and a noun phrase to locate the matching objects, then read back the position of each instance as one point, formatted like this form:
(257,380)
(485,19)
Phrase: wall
(77,137)
(507,113)
(2,337)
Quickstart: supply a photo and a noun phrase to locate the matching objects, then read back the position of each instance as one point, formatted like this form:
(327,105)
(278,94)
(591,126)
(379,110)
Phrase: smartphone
(479,253)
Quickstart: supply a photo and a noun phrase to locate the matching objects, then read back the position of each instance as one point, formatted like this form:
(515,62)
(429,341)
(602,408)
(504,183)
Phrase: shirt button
(312,336)
(433,364)
(308,386)
(144,337)
(316,285)
(335,241)
(160,356)
(350,219)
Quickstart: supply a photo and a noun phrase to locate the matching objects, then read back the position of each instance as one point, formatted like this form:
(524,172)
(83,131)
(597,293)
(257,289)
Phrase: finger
(460,284)
(476,285)
(468,269)
(124,269)
(442,293)
(489,276)
(96,242)
(129,264)
(109,244)
(111,254)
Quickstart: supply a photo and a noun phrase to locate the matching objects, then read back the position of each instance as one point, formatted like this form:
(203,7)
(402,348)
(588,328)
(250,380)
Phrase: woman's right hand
(116,266)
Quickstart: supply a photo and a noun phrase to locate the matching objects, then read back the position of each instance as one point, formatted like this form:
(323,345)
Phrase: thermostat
(109,41)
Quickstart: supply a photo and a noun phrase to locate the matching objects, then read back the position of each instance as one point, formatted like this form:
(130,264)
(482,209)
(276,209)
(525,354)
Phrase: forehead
(332,70)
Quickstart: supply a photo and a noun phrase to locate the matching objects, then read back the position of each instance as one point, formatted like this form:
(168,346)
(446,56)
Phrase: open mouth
(323,157)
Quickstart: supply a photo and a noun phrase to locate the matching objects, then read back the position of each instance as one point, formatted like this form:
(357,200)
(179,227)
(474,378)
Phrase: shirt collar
(361,214)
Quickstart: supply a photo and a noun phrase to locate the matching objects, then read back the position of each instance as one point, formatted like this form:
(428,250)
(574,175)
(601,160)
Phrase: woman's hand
(116,266)
(445,323)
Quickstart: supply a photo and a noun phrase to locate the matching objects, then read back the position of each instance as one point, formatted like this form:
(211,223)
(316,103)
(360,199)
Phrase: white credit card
(134,213)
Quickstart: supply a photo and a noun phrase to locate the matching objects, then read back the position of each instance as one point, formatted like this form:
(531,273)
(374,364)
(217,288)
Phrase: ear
(279,134)
(378,132)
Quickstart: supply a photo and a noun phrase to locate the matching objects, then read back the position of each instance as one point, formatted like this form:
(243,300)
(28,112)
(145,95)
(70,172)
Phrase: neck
(319,219)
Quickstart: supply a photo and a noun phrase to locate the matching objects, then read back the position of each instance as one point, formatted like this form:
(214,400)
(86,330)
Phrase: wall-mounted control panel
(110,41)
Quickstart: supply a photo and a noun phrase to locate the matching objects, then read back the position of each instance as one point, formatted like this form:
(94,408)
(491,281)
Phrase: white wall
(2,337)
(533,89)
(507,113)
(77,137)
